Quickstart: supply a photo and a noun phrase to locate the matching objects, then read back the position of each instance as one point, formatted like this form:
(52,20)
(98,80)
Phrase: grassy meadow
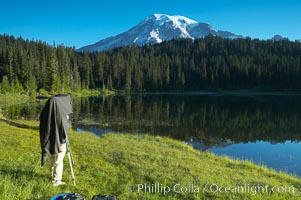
(123,164)
(12,98)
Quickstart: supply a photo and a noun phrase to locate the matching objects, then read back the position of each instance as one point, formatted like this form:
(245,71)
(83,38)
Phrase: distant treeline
(182,64)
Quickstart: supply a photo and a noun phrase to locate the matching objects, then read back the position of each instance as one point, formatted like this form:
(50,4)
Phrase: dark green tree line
(203,64)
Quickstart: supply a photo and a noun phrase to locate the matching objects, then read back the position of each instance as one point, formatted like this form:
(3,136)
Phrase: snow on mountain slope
(155,29)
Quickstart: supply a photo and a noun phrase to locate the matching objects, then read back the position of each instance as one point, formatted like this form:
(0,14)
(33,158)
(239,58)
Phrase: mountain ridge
(157,28)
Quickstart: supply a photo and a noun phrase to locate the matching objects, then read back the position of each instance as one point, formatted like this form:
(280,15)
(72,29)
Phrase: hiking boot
(58,183)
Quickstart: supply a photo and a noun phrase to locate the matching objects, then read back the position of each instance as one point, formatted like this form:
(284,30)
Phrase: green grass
(85,92)
(1,114)
(114,163)
(12,98)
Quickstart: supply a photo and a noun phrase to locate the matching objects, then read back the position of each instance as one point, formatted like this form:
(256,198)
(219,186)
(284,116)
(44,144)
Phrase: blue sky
(78,23)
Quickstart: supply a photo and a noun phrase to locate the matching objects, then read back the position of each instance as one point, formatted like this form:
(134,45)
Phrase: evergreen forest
(209,63)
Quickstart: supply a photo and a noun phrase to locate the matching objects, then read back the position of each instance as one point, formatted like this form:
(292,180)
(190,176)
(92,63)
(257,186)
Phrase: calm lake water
(263,129)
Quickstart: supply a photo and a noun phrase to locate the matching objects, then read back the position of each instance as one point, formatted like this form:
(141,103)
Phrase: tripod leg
(71,167)
(69,150)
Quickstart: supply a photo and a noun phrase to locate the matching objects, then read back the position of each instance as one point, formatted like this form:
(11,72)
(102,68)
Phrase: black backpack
(103,197)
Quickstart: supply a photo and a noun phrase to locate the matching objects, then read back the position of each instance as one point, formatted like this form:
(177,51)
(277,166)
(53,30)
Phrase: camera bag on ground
(70,196)
(103,197)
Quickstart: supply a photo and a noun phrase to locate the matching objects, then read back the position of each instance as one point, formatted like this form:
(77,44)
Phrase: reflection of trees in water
(210,119)
(240,119)
(23,111)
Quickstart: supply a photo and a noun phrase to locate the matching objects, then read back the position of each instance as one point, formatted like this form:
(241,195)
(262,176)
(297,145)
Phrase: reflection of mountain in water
(94,130)
(216,143)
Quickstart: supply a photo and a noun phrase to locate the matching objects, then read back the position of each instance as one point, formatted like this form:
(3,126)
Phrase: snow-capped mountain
(157,28)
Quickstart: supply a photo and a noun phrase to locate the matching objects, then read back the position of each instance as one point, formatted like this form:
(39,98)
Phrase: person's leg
(52,159)
(58,165)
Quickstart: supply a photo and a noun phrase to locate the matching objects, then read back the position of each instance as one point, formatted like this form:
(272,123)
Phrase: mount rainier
(157,28)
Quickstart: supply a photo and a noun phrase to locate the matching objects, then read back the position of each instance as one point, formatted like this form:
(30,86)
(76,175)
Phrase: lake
(265,129)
